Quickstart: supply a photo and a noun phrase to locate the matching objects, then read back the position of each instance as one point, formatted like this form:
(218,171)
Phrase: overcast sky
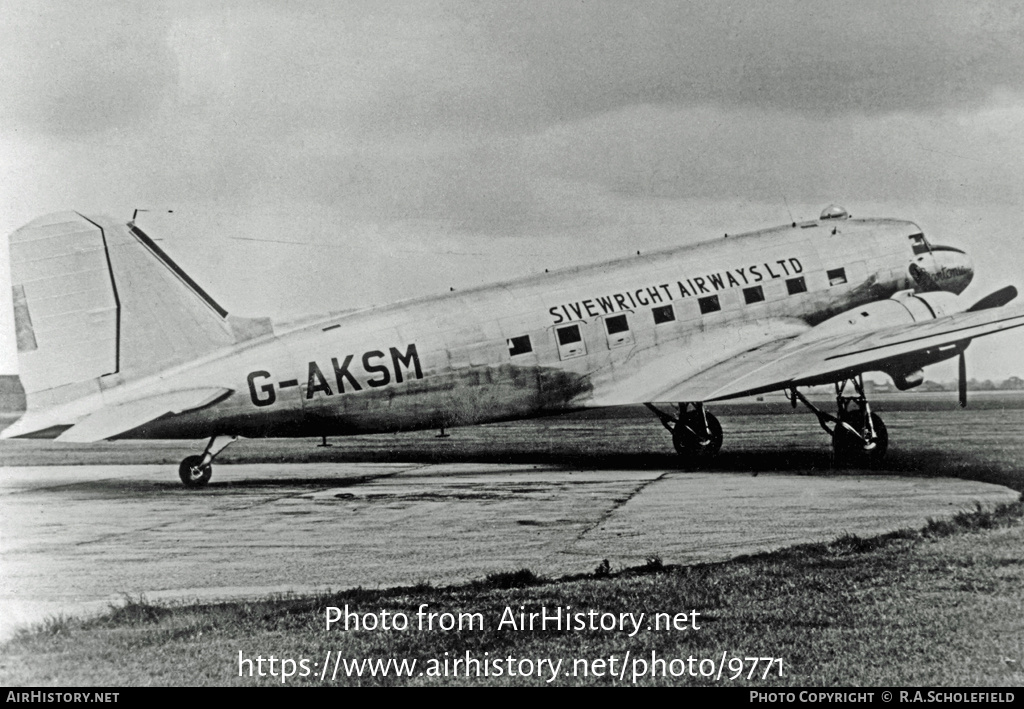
(326,155)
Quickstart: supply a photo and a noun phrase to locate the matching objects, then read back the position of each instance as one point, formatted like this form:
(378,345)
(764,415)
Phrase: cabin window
(920,244)
(616,324)
(709,304)
(617,327)
(569,335)
(754,294)
(796,285)
(837,277)
(570,342)
(663,314)
(519,345)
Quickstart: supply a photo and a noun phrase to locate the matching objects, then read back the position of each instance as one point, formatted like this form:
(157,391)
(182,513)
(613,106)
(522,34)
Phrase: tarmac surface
(79,538)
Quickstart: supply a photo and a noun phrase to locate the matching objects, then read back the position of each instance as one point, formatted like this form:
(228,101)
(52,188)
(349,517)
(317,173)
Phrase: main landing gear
(858,434)
(696,434)
(196,470)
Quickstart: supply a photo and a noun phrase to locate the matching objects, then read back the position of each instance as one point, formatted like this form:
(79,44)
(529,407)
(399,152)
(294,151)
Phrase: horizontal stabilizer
(111,421)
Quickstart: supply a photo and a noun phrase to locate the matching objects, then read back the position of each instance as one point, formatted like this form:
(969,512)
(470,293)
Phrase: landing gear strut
(196,470)
(858,434)
(696,434)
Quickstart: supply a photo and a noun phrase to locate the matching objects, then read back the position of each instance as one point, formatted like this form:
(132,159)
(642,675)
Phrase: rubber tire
(689,446)
(849,448)
(192,476)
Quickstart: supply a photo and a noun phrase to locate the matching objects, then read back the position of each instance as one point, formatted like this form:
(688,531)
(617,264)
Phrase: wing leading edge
(811,358)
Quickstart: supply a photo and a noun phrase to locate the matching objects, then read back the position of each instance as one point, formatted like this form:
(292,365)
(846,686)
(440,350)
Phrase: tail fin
(97,303)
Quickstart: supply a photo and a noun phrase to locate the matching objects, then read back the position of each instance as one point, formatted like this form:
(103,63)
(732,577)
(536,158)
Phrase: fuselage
(555,342)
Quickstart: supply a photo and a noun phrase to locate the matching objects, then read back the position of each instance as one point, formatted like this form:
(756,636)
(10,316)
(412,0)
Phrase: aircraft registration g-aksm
(116,341)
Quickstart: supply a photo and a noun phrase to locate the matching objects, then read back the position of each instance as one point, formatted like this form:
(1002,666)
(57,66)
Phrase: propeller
(963,380)
(995,299)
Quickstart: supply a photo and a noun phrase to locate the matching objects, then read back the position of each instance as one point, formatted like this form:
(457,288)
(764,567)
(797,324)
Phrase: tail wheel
(695,443)
(193,473)
(863,448)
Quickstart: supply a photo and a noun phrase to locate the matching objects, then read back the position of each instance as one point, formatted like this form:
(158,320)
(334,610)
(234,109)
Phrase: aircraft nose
(943,268)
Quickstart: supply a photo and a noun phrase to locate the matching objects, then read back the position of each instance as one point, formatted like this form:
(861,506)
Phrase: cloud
(273,68)
(360,69)
(710,152)
(518,118)
(575,59)
(605,171)
(74,70)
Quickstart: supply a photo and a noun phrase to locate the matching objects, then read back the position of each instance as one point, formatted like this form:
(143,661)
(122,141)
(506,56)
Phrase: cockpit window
(920,244)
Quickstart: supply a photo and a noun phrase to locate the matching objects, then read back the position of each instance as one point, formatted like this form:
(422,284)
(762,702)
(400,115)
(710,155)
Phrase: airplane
(116,341)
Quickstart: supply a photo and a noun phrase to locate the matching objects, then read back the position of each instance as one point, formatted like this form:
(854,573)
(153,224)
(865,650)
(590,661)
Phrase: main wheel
(193,473)
(854,449)
(692,442)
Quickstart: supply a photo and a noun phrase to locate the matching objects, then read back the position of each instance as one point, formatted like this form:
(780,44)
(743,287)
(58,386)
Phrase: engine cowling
(904,308)
(876,315)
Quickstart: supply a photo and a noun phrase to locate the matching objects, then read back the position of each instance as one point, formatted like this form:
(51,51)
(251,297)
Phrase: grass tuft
(653,563)
(136,611)
(53,625)
(976,520)
(510,579)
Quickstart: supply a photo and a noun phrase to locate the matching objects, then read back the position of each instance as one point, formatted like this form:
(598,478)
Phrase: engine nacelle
(904,308)
(941,302)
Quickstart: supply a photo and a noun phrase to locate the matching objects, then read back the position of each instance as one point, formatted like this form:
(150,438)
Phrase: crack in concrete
(644,484)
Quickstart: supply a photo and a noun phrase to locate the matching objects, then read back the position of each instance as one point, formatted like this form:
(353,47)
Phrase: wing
(818,358)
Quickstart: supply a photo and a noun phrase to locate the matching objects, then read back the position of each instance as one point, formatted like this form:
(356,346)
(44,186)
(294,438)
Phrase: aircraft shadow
(802,461)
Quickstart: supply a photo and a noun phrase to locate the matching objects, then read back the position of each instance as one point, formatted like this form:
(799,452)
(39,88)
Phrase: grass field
(942,605)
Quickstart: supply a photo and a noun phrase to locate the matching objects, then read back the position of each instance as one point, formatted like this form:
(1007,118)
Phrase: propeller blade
(995,299)
(963,380)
